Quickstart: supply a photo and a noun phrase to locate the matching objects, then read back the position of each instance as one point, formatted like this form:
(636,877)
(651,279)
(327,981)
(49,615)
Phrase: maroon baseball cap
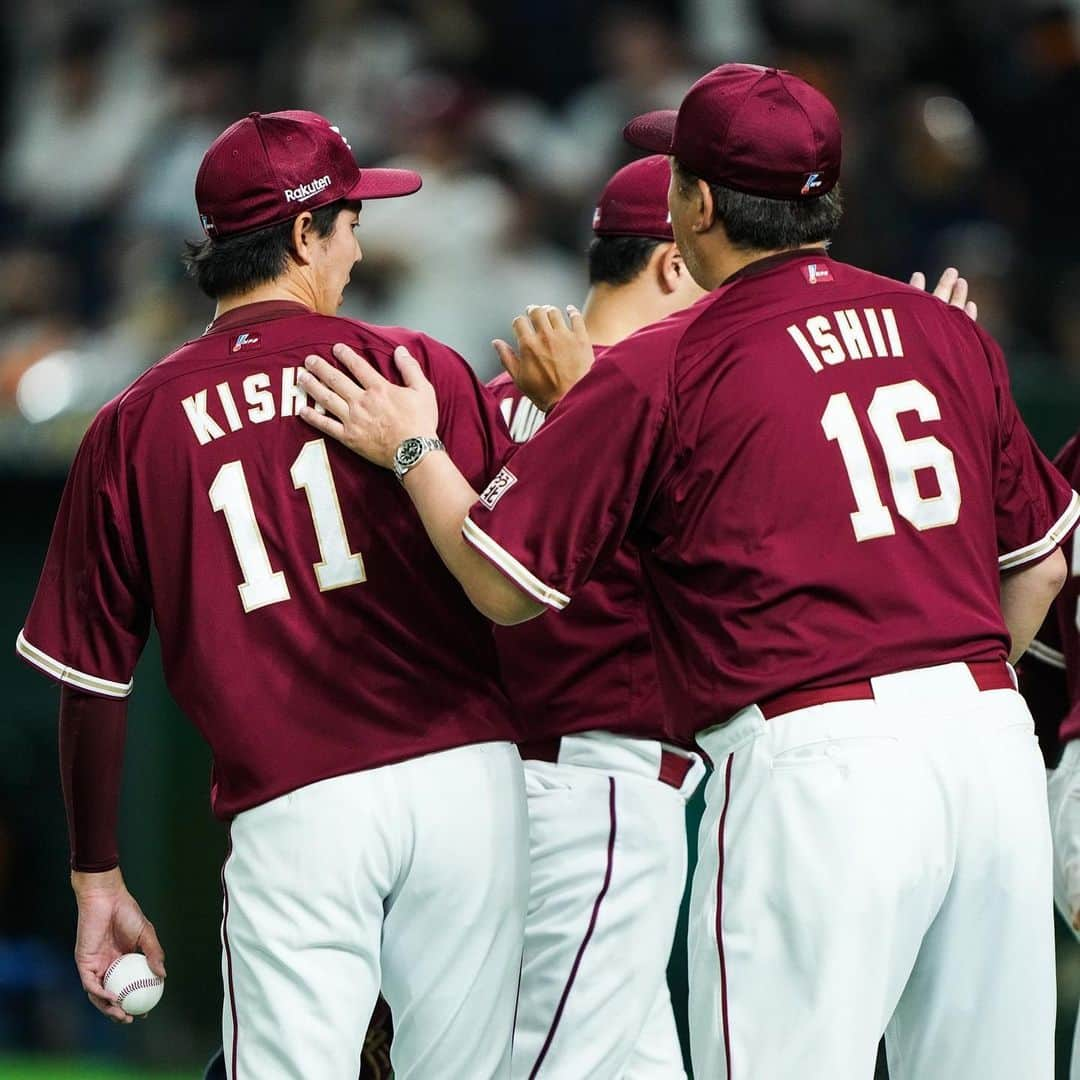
(269,167)
(634,202)
(754,129)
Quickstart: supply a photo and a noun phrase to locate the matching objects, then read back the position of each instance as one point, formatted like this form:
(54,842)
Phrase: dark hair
(234,264)
(617,260)
(755,223)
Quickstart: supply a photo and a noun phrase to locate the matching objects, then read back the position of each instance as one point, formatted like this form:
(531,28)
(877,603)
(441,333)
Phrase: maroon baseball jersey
(307,627)
(1053,658)
(592,666)
(824,472)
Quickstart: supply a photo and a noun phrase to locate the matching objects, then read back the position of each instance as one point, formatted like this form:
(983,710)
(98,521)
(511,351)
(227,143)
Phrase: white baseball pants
(1063,786)
(413,876)
(607,847)
(876,866)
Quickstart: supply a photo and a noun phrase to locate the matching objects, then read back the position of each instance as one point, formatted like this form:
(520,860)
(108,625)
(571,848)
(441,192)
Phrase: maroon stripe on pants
(720,915)
(228,961)
(588,935)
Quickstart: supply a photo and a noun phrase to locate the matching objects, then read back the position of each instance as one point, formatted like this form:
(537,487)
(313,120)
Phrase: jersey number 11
(262,584)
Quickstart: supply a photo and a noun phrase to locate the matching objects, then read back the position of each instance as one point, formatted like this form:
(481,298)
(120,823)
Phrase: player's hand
(1064,794)
(951,288)
(111,923)
(371,416)
(551,355)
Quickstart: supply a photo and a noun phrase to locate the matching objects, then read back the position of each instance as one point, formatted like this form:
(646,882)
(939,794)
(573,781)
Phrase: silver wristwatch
(411,452)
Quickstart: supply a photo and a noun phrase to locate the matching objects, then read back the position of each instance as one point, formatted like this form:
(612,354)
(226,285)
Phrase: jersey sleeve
(469,421)
(91,614)
(1035,506)
(565,499)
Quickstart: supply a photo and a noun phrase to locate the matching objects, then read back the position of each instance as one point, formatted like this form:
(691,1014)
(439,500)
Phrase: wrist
(421,469)
(92,882)
(411,452)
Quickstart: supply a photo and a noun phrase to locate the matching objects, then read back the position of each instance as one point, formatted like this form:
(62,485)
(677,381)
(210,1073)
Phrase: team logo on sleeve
(503,481)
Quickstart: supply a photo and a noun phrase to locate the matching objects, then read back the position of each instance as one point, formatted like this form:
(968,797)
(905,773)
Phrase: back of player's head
(630,221)
(768,145)
(257,177)
(234,265)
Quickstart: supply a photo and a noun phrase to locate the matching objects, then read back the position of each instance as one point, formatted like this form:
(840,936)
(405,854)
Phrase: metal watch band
(411,452)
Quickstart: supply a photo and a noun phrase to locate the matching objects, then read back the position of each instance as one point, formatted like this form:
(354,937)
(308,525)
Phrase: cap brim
(385,184)
(653,131)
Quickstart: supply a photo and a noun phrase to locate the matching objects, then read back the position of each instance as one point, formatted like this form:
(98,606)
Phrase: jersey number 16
(904,458)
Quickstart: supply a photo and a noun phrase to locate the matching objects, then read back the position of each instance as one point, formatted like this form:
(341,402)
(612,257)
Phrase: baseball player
(846,532)
(607,781)
(363,751)
(1049,680)
(584,687)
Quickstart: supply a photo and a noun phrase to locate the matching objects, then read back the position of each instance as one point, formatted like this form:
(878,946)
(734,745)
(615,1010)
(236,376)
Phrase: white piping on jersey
(1012,559)
(70,675)
(513,569)
(1047,655)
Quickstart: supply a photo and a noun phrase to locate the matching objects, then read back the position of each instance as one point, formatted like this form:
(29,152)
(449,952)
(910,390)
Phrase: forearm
(1026,596)
(92,731)
(443,497)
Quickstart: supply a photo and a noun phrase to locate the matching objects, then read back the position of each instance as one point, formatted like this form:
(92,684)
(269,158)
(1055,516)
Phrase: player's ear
(303,237)
(705,207)
(669,267)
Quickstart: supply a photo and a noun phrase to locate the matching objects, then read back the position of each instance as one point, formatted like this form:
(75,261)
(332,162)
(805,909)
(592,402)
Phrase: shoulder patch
(501,483)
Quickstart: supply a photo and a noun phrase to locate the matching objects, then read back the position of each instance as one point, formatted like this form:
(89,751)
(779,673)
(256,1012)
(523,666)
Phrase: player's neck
(284,288)
(722,261)
(614,312)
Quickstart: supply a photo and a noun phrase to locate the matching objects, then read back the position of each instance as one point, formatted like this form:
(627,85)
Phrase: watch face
(409,452)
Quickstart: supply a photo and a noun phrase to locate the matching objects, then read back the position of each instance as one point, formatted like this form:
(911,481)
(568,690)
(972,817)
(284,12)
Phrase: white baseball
(129,977)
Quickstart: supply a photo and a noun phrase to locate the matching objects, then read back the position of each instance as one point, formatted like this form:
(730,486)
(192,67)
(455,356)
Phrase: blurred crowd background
(962,147)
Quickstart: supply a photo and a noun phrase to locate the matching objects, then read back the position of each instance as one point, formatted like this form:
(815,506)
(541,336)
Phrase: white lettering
(851,326)
(258,395)
(820,329)
(893,331)
(854,336)
(308,190)
(875,331)
(229,405)
(804,347)
(202,423)
(293,399)
(526,422)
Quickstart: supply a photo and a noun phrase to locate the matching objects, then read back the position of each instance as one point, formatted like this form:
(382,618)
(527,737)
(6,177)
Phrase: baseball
(129,977)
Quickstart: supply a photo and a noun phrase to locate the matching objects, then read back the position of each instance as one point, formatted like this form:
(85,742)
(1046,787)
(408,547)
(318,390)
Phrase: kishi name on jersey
(827,340)
(260,397)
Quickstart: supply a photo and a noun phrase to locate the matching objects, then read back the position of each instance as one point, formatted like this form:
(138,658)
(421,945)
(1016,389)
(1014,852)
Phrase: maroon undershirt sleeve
(92,732)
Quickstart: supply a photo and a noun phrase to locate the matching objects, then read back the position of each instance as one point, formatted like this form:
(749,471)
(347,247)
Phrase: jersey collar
(760,266)
(261,311)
